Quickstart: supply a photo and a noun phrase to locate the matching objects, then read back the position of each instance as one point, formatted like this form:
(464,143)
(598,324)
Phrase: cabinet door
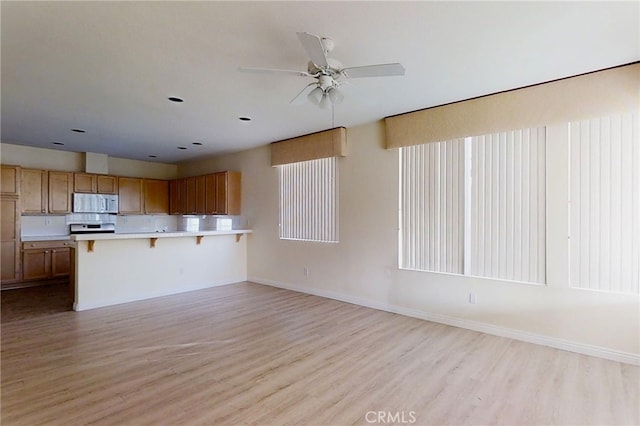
(10,239)
(60,190)
(174,197)
(36,264)
(83,182)
(130,196)
(10,180)
(190,205)
(200,194)
(9,209)
(210,194)
(60,262)
(9,267)
(156,196)
(228,195)
(33,190)
(107,184)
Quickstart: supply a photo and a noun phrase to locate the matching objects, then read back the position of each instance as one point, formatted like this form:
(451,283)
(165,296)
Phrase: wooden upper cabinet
(179,196)
(156,196)
(174,197)
(60,190)
(34,191)
(83,182)
(95,184)
(10,181)
(210,194)
(130,196)
(107,184)
(200,194)
(190,204)
(216,193)
(228,193)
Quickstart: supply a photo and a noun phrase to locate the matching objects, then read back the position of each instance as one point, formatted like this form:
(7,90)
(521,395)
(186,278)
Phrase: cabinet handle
(46,251)
(53,251)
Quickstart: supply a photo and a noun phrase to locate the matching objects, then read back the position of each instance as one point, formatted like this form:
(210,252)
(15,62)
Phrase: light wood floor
(251,354)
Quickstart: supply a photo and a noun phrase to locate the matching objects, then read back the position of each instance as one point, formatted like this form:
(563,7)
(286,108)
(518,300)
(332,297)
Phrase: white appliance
(95,203)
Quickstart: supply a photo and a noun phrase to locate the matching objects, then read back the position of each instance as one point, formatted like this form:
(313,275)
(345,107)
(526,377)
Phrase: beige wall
(362,268)
(51,159)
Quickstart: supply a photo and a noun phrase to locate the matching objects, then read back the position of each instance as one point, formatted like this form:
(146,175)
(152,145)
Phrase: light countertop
(30,238)
(116,236)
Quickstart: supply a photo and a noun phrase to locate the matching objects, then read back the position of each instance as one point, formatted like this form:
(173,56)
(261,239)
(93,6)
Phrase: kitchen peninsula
(119,268)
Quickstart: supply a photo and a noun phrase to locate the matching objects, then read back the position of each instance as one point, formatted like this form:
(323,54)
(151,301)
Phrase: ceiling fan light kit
(328,72)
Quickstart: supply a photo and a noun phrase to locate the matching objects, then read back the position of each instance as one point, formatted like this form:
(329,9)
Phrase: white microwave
(95,203)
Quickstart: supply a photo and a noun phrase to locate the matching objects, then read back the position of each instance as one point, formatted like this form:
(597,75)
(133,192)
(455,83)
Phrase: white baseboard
(553,342)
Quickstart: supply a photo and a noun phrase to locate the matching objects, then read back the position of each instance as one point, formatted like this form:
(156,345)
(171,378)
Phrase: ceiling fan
(328,72)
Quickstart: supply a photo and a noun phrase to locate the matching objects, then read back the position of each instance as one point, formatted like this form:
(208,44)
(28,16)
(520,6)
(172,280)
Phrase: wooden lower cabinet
(10,252)
(9,240)
(36,264)
(44,260)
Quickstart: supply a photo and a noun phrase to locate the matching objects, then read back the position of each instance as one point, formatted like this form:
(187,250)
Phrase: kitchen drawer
(47,244)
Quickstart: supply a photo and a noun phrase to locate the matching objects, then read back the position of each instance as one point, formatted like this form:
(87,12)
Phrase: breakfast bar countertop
(116,236)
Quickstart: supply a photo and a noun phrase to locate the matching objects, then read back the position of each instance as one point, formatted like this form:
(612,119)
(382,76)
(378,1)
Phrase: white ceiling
(109,67)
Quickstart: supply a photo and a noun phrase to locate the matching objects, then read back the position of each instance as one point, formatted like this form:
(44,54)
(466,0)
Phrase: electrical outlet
(472,298)
(306,271)
(47,221)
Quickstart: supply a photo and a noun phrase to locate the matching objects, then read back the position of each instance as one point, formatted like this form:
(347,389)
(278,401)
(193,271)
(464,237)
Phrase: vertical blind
(605,204)
(475,206)
(507,206)
(432,206)
(309,200)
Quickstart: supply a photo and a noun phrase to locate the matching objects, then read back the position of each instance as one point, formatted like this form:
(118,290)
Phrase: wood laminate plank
(251,354)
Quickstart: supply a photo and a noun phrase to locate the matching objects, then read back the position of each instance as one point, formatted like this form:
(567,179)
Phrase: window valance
(582,97)
(325,144)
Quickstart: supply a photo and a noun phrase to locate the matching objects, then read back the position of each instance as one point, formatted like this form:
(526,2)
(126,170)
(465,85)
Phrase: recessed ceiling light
(175,99)
(57,143)
(152,156)
(182,147)
(78,130)
(197,143)
(244,118)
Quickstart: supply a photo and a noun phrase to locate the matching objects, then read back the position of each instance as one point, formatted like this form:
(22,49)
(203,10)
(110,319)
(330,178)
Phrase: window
(604,216)
(309,200)
(432,206)
(475,206)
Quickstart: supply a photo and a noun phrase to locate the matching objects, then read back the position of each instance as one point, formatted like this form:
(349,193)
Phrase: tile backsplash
(32,226)
(146,223)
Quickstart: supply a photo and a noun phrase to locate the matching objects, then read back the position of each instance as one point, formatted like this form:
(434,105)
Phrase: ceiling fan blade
(274,71)
(382,70)
(313,45)
(301,97)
